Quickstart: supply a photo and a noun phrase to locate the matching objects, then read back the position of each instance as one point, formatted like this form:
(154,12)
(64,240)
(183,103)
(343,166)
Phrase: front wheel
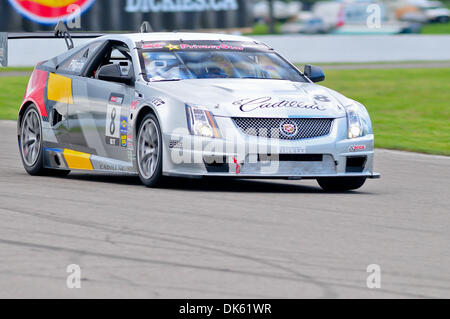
(149,151)
(341,184)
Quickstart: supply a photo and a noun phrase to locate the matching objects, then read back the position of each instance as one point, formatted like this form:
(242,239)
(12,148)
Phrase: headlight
(201,122)
(358,120)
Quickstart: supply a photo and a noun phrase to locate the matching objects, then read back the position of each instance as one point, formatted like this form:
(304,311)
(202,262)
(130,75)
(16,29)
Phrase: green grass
(410,108)
(436,28)
(11,95)
(16,69)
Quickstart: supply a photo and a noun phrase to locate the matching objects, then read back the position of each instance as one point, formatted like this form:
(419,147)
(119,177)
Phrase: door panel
(98,119)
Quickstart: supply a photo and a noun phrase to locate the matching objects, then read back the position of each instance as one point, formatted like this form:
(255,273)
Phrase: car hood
(257,97)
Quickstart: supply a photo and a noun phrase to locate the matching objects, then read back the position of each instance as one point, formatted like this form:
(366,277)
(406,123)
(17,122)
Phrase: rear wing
(61,31)
(4,37)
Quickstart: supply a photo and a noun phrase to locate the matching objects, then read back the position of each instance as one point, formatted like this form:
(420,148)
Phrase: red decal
(134,104)
(153,46)
(357,148)
(238,167)
(36,90)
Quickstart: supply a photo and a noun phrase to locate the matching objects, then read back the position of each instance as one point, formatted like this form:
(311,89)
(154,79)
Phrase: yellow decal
(59,89)
(172,47)
(78,160)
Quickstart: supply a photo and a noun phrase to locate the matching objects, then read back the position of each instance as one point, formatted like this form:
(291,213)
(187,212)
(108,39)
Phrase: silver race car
(191,105)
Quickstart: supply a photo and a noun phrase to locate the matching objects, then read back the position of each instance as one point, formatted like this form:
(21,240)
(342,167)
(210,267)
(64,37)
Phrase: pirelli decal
(59,89)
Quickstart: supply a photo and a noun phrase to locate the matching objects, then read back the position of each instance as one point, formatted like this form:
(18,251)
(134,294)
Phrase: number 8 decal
(112,121)
(112,126)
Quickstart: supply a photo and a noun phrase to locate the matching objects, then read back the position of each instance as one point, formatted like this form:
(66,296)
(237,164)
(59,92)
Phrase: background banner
(124,15)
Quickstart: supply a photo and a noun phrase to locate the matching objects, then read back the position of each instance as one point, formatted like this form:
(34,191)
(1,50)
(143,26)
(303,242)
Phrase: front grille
(274,128)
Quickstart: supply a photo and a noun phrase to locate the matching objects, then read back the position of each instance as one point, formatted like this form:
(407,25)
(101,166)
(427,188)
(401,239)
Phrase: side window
(114,52)
(75,64)
(119,57)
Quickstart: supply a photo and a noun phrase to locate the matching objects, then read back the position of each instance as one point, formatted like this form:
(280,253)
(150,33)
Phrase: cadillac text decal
(251,104)
(50,11)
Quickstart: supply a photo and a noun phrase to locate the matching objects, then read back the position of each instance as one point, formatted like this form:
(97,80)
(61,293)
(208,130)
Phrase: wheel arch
(143,111)
(23,109)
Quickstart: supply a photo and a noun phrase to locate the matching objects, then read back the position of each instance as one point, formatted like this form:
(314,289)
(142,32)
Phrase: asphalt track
(224,239)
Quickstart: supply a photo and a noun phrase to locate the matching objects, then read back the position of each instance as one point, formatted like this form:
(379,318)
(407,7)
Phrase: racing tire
(31,146)
(341,184)
(149,151)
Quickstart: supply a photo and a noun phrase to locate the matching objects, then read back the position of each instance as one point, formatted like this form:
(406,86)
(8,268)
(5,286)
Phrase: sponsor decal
(175,144)
(357,148)
(212,45)
(251,104)
(292,150)
(134,105)
(208,46)
(238,167)
(157,102)
(123,131)
(50,11)
(112,141)
(288,128)
(112,167)
(123,140)
(180,6)
(123,125)
(158,45)
(116,99)
(172,47)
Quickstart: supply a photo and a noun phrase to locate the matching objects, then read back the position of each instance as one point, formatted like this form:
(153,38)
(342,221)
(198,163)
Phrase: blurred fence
(304,49)
(370,48)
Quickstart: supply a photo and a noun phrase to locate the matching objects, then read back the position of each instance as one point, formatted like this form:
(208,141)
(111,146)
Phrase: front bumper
(245,156)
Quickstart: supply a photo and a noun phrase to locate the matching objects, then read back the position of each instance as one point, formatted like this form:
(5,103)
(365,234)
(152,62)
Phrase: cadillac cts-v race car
(191,105)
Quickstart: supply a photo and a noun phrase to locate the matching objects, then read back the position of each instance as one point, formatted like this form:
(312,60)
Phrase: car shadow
(209,184)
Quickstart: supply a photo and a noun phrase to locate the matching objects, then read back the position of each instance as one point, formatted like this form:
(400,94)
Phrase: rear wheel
(149,151)
(30,143)
(341,184)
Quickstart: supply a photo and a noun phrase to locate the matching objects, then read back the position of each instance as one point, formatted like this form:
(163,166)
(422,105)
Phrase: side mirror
(112,73)
(314,73)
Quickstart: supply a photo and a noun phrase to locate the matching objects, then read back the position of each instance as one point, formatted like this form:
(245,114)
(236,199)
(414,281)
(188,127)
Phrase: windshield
(182,61)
